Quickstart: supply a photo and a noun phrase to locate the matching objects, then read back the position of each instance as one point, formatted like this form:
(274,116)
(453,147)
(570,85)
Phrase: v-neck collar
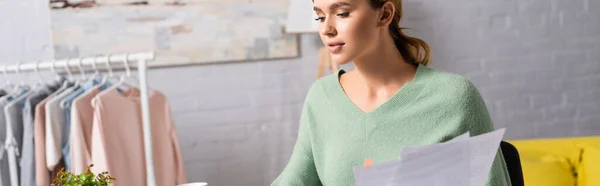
(401,100)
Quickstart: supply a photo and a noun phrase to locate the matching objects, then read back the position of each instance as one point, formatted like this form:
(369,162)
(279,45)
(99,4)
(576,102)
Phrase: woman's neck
(383,67)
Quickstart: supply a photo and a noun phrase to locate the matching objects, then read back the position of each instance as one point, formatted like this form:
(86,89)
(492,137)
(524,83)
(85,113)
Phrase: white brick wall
(536,62)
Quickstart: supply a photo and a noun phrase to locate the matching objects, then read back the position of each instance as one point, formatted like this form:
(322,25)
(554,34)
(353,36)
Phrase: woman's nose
(327,28)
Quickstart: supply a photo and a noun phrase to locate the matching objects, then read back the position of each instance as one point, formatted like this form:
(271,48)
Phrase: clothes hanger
(121,84)
(22,83)
(136,79)
(78,82)
(96,71)
(128,70)
(37,72)
(82,71)
(105,80)
(93,78)
(69,70)
(15,91)
(15,87)
(8,82)
(40,81)
(18,70)
(109,68)
(59,79)
(54,68)
(65,83)
(24,87)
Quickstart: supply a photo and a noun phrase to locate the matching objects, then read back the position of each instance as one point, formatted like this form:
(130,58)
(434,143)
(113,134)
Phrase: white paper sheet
(440,164)
(436,165)
(464,136)
(463,160)
(483,151)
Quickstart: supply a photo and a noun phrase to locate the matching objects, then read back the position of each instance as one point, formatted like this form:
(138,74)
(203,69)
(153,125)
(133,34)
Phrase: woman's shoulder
(319,88)
(451,83)
(325,83)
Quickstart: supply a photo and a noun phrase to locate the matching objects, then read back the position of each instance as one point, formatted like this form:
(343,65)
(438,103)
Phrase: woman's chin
(340,59)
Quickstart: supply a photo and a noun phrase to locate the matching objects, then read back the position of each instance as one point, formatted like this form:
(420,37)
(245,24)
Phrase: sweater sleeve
(301,170)
(478,121)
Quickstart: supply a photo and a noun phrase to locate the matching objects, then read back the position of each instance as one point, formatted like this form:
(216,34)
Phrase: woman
(391,100)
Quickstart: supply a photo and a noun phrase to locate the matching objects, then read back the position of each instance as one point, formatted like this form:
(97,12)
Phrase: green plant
(65,178)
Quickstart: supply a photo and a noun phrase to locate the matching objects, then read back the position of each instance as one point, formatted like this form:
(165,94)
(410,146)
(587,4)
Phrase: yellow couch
(560,161)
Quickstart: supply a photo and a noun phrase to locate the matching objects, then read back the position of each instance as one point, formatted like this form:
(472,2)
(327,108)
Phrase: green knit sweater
(334,135)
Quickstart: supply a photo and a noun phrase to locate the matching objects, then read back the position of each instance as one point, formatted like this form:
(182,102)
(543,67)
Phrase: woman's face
(348,28)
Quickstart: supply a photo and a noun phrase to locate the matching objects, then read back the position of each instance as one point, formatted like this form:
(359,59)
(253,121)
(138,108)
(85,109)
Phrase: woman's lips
(336,47)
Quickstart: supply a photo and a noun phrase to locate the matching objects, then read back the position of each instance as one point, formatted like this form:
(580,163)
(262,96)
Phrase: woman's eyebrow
(334,6)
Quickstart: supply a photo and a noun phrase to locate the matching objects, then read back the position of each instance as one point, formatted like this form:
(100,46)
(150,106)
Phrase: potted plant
(65,178)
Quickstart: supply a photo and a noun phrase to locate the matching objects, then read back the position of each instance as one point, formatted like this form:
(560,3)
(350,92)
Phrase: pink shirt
(82,114)
(42,175)
(117,139)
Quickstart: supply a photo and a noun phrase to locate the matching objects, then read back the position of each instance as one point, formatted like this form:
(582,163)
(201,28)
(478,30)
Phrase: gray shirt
(27,162)
(4,120)
(14,135)
(4,169)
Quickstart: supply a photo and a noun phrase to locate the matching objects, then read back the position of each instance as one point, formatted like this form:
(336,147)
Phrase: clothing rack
(140,58)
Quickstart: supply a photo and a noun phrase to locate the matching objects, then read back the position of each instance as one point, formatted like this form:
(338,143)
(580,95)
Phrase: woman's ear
(386,14)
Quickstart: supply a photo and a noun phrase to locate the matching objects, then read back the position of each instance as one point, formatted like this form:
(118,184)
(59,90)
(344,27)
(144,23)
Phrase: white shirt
(55,122)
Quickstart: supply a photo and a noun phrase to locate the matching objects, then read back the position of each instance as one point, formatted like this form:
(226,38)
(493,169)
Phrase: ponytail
(414,50)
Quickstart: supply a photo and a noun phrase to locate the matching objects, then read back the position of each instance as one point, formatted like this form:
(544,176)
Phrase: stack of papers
(461,161)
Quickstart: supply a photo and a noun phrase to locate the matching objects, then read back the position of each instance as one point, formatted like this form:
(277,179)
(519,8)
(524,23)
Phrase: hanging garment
(82,114)
(5,170)
(117,139)
(42,175)
(66,105)
(14,135)
(27,162)
(55,123)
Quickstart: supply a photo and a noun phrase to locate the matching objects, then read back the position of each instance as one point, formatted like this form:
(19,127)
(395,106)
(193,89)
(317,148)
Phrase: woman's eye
(345,14)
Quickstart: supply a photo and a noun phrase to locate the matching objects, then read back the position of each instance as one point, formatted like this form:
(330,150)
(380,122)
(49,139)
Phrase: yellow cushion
(589,168)
(553,161)
(590,141)
(547,171)
(538,148)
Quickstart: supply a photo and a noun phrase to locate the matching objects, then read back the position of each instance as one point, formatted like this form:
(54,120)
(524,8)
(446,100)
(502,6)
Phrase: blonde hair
(413,50)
